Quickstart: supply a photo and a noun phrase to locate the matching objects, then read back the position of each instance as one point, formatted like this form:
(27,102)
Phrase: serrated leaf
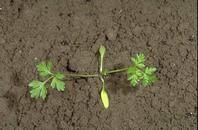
(133,80)
(60,76)
(150,70)
(134,75)
(104,98)
(140,57)
(139,60)
(134,70)
(38,89)
(148,79)
(58,84)
(139,72)
(44,68)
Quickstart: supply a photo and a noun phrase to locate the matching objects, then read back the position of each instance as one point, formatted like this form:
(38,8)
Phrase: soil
(69,33)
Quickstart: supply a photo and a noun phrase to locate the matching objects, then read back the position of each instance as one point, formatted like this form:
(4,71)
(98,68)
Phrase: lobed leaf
(134,71)
(148,79)
(44,68)
(38,89)
(139,60)
(139,72)
(150,70)
(133,80)
(58,84)
(134,75)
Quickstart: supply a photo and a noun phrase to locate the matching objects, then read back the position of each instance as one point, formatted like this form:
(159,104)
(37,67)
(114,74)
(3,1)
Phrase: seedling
(137,73)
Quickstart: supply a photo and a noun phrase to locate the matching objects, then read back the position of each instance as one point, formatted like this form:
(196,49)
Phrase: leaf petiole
(74,75)
(48,79)
(82,75)
(117,70)
(88,75)
(95,75)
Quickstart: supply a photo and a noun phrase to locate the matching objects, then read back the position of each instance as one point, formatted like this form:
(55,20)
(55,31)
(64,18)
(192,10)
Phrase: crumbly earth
(69,33)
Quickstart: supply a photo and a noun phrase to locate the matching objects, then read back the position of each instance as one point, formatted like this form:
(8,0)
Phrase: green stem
(48,79)
(103,82)
(82,75)
(89,75)
(95,75)
(116,71)
(101,65)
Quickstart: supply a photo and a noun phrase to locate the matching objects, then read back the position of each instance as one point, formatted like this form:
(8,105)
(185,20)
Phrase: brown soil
(69,33)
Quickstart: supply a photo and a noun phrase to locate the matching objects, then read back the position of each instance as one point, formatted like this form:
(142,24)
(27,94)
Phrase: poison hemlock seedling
(137,73)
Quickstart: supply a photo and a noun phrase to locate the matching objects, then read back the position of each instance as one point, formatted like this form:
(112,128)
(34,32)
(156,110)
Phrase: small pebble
(173,64)
(0,8)
(189,114)
(20,51)
(192,38)
(35,58)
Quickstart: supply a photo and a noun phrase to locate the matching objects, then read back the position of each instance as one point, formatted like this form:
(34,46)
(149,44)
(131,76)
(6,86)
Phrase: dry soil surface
(69,33)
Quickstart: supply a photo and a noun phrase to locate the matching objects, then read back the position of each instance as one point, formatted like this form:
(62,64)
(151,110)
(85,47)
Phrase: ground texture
(69,33)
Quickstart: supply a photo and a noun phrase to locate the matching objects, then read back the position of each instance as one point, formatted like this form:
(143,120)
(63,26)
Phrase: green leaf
(133,80)
(139,72)
(58,84)
(104,98)
(134,75)
(134,71)
(38,89)
(148,79)
(150,70)
(44,68)
(60,76)
(131,70)
(139,60)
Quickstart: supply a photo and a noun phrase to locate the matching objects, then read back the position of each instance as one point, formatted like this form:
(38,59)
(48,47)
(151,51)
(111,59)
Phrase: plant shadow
(118,82)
